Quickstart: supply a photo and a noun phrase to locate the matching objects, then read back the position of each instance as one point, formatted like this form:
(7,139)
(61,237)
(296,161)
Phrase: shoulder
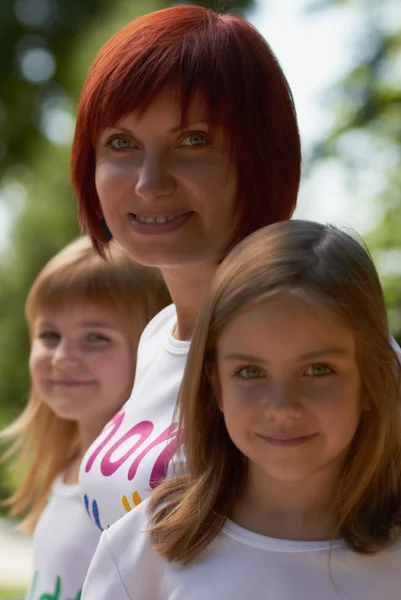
(129,528)
(130,545)
(124,565)
(164,320)
(128,539)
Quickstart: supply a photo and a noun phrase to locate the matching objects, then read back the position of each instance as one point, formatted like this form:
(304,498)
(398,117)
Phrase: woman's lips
(158,228)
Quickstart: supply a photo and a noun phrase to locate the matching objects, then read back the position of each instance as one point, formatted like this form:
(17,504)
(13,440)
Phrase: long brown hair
(44,444)
(332,270)
(223,59)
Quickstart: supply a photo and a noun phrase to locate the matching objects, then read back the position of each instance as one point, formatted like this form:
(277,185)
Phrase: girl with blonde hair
(290,420)
(85,317)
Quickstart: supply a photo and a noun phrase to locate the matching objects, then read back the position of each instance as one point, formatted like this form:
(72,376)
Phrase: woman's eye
(318,370)
(195,139)
(250,373)
(120,143)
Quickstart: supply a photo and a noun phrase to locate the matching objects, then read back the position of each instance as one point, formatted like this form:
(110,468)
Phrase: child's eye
(120,143)
(195,139)
(97,338)
(318,370)
(250,373)
(49,336)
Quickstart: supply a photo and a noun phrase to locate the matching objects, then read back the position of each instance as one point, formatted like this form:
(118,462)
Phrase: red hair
(225,60)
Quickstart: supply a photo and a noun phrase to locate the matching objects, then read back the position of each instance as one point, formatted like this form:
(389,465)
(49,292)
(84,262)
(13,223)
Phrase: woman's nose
(154,179)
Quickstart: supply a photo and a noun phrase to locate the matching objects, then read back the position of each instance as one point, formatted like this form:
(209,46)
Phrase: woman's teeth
(152,220)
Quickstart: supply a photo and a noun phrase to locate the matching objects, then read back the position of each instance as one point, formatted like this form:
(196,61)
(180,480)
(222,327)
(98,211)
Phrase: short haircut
(225,61)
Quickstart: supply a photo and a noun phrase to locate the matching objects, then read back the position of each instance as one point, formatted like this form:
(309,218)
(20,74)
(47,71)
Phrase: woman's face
(167,195)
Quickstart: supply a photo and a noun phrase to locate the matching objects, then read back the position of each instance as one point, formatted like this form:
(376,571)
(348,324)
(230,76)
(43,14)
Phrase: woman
(186,141)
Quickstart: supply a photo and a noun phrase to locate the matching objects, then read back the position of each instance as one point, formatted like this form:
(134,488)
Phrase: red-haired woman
(186,141)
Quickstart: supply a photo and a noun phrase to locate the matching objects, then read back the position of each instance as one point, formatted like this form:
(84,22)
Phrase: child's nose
(65,357)
(283,402)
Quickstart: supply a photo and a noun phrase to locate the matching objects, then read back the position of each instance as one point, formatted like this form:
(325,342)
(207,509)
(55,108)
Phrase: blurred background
(343,61)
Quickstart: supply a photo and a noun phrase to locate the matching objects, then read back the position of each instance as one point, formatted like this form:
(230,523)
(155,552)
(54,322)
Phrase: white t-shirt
(134,451)
(64,543)
(237,565)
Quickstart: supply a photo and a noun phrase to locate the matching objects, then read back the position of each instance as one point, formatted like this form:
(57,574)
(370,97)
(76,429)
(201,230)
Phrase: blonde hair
(44,444)
(333,271)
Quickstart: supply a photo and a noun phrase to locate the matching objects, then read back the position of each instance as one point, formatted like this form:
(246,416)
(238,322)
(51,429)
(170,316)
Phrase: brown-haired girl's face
(167,195)
(290,389)
(81,362)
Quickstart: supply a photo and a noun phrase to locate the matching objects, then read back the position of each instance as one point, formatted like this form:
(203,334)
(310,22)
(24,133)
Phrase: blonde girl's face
(81,363)
(290,389)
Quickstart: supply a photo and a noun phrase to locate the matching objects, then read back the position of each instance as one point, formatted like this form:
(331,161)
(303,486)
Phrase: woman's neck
(299,510)
(188,287)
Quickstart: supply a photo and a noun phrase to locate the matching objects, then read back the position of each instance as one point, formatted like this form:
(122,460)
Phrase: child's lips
(287,439)
(70,382)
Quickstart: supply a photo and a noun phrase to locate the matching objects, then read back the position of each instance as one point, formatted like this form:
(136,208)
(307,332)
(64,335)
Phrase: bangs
(77,285)
(204,59)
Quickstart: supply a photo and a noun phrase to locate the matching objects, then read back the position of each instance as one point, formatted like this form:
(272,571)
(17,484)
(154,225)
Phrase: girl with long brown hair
(85,317)
(290,421)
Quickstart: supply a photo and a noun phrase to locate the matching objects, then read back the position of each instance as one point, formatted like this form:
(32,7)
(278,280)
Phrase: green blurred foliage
(36,30)
(46,47)
(366,136)
(13,593)
(38,37)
